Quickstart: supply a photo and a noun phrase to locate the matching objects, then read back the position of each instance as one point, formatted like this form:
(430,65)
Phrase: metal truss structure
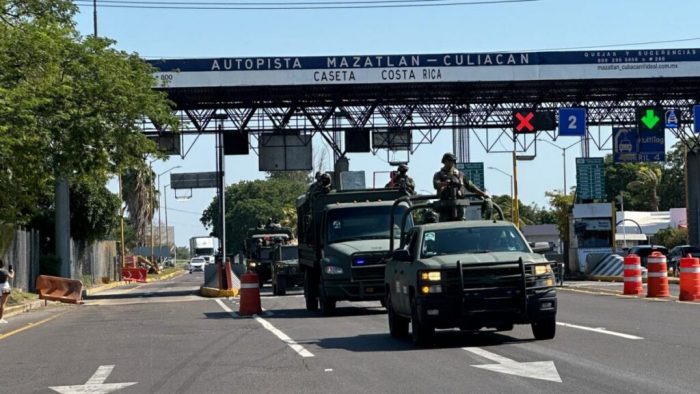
(471,111)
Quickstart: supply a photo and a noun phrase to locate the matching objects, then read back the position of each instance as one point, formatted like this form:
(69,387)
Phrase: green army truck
(467,274)
(343,241)
(259,245)
(285,269)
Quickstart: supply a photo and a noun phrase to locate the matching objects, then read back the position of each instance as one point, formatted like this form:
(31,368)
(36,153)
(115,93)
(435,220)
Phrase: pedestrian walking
(5,289)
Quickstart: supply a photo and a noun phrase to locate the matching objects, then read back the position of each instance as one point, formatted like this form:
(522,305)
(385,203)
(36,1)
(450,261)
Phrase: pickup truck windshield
(472,240)
(350,224)
(289,253)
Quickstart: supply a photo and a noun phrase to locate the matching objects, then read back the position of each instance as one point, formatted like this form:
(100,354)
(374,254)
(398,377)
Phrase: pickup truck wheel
(327,304)
(281,285)
(421,333)
(310,292)
(398,325)
(545,328)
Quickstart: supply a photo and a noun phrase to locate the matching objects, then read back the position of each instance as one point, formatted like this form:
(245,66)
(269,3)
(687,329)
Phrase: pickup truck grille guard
(372,268)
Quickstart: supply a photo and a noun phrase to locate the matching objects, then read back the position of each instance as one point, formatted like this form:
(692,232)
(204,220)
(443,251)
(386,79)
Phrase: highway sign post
(590,178)
(632,145)
(572,122)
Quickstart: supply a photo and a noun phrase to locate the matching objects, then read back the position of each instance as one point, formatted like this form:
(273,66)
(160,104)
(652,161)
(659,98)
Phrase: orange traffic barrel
(633,275)
(250,295)
(657,277)
(690,279)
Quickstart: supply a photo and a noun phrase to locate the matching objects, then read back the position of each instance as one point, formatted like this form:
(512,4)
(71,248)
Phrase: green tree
(647,184)
(251,202)
(529,213)
(561,207)
(70,106)
(672,188)
(671,237)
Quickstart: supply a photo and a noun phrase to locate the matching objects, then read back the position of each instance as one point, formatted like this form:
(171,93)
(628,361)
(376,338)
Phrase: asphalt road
(163,338)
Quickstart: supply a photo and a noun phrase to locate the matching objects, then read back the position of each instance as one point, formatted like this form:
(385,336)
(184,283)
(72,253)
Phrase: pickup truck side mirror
(541,247)
(401,255)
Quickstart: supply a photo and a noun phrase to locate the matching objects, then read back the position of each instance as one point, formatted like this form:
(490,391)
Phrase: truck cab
(285,269)
(468,274)
(343,243)
(259,247)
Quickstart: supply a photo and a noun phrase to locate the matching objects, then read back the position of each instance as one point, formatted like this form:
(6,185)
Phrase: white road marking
(268,326)
(543,370)
(600,330)
(95,385)
(328,370)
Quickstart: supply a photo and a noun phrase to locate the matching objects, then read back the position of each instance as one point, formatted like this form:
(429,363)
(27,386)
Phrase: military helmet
(326,179)
(449,156)
(403,168)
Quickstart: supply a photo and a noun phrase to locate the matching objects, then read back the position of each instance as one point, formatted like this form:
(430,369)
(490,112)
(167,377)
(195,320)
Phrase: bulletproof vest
(3,276)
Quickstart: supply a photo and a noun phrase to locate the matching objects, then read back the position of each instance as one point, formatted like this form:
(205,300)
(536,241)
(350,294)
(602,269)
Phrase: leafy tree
(671,237)
(672,188)
(561,206)
(183,252)
(140,195)
(529,214)
(70,106)
(251,202)
(94,211)
(647,183)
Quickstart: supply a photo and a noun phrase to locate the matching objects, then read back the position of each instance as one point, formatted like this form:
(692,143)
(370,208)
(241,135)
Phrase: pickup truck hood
(365,245)
(480,258)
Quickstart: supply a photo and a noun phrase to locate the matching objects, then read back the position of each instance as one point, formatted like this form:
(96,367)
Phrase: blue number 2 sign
(572,122)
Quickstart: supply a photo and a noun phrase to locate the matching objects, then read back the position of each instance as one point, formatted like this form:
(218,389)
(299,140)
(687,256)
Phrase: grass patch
(18,297)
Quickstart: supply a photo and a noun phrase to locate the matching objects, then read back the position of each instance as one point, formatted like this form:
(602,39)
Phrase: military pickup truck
(285,269)
(469,274)
(343,241)
(259,245)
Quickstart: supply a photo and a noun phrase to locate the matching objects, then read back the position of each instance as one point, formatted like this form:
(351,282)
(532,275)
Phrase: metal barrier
(54,288)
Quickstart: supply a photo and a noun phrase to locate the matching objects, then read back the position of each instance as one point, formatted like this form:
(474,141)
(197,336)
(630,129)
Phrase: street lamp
(506,174)
(160,237)
(563,155)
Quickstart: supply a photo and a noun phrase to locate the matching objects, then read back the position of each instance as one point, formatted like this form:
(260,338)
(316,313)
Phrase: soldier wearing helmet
(321,185)
(401,180)
(450,176)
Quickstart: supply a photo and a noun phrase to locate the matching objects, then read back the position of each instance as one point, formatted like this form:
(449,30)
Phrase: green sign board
(473,172)
(590,179)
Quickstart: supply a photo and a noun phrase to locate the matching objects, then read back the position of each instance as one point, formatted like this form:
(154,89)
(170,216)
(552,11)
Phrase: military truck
(470,274)
(343,241)
(259,245)
(285,268)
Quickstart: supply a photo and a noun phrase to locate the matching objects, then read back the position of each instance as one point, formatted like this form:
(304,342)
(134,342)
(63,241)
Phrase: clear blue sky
(546,24)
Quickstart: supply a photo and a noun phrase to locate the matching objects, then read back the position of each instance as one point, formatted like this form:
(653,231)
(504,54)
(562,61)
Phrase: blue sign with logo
(696,118)
(672,118)
(572,122)
(631,145)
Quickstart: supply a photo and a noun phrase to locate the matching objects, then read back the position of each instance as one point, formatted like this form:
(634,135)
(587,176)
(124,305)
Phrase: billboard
(426,68)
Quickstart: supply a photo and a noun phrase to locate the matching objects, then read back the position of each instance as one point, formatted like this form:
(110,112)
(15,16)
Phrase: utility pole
(515,208)
(94,15)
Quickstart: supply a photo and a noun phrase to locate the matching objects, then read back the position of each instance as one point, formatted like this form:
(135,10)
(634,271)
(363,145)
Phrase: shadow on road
(342,311)
(443,339)
(142,294)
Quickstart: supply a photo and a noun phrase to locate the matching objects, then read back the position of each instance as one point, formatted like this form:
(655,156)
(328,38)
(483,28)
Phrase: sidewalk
(36,304)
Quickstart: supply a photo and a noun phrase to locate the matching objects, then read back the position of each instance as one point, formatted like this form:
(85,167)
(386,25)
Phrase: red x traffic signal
(529,121)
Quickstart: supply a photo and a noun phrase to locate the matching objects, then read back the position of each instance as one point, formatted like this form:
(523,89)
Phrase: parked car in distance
(678,252)
(196,264)
(643,251)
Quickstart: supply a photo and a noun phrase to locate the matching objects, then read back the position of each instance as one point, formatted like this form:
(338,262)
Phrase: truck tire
(421,333)
(398,325)
(545,328)
(310,291)
(281,285)
(326,304)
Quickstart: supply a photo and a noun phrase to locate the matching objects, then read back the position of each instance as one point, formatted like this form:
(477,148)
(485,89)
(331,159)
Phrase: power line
(183,211)
(293,6)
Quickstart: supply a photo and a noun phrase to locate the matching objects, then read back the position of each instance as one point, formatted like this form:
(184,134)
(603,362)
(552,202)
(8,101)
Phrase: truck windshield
(289,253)
(472,240)
(349,224)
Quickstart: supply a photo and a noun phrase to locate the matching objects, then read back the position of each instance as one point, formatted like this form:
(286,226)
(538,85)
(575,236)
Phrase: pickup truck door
(405,275)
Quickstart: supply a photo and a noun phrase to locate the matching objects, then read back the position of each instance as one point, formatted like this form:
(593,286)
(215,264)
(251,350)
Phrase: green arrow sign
(650,119)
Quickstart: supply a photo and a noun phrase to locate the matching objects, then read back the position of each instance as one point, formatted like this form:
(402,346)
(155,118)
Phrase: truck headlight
(431,289)
(251,264)
(542,269)
(432,276)
(332,270)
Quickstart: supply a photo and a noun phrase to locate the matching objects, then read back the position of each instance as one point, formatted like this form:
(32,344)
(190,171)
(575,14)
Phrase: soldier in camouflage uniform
(451,184)
(401,180)
(322,185)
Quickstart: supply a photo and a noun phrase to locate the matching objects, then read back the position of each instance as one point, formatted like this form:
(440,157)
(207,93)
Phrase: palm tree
(648,179)
(141,198)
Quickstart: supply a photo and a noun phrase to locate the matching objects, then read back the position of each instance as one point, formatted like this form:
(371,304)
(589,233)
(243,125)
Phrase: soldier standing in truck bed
(449,175)
(401,180)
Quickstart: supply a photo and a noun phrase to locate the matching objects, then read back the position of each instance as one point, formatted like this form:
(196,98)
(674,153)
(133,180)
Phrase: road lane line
(28,326)
(268,326)
(600,330)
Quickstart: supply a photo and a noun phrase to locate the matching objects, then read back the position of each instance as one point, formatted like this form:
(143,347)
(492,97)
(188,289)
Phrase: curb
(17,309)
(212,292)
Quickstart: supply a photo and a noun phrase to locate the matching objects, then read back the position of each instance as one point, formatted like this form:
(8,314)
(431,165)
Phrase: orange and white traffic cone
(690,279)
(633,275)
(250,295)
(657,276)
